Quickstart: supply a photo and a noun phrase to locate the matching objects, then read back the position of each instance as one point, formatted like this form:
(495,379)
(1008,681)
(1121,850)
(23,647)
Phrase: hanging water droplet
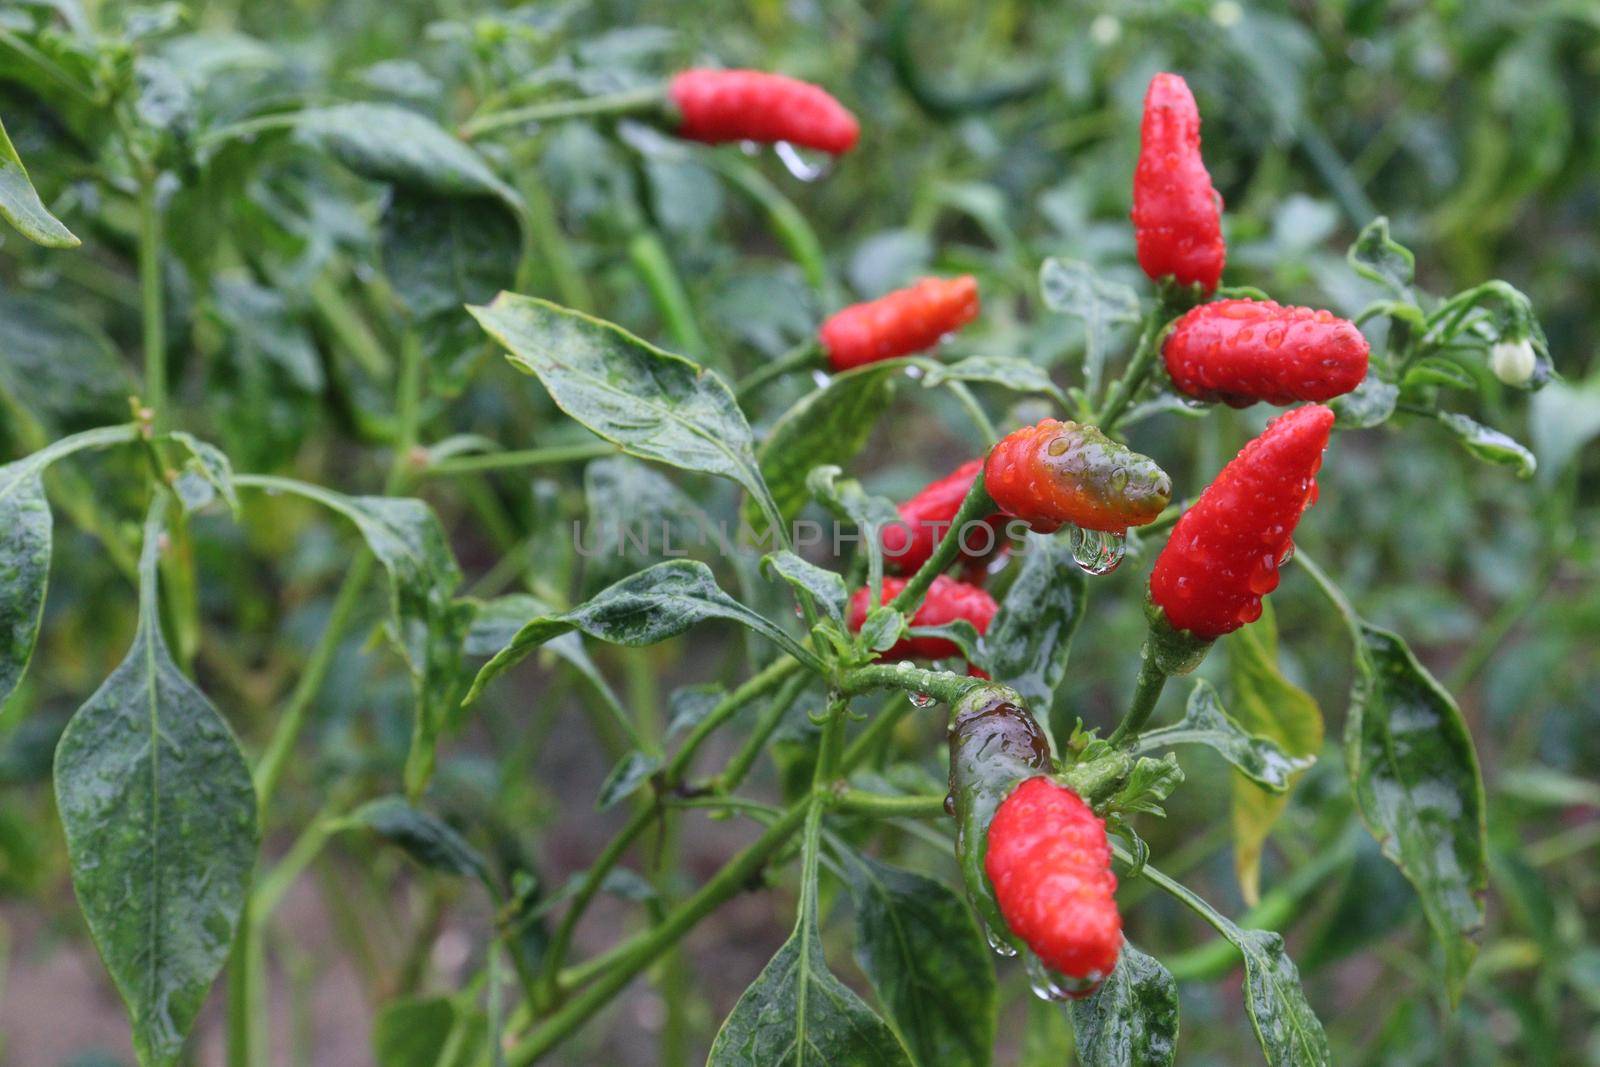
(805,168)
(750,148)
(1288,554)
(820,379)
(913,372)
(1042,980)
(999,944)
(920,700)
(1098,551)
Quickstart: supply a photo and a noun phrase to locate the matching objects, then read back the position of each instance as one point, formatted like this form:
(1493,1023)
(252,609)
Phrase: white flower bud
(1513,362)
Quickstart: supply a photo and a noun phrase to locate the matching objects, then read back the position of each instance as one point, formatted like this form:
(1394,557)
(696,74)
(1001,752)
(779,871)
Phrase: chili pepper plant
(368,351)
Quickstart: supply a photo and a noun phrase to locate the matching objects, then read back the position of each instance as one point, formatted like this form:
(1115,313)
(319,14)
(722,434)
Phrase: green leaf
(689,705)
(264,325)
(1205,722)
(1031,636)
(160,817)
(882,627)
(796,1013)
(496,623)
(426,624)
(1266,704)
(1149,783)
(1415,777)
(1290,1033)
(1488,444)
(1437,370)
(649,403)
(631,771)
(1074,288)
(1132,1019)
(208,467)
(637,516)
(393,144)
(1379,258)
(429,1032)
(825,587)
(1369,404)
(1010,372)
(20,204)
(59,367)
(827,426)
(424,837)
(657,603)
(25,545)
(441,253)
(845,499)
(927,961)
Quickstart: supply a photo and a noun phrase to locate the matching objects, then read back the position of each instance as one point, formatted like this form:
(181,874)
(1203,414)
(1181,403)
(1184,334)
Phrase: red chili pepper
(752,105)
(1061,472)
(1177,215)
(925,518)
(1050,865)
(1242,351)
(903,322)
(947,601)
(1224,553)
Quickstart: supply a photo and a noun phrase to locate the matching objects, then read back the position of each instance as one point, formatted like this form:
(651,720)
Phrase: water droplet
(999,944)
(1057,446)
(1098,551)
(920,700)
(750,148)
(820,379)
(807,168)
(950,804)
(1053,985)
(914,372)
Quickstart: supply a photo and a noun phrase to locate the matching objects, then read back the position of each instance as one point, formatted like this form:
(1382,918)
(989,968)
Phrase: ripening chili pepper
(926,517)
(1177,215)
(1050,865)
(994,744)
(1225,551)
(752,105)
(947,601)
(1242,351)
(899,324)
(1060,472)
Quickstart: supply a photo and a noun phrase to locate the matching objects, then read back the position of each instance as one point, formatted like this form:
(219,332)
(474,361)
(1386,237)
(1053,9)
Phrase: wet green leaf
(637,516)
(58,366)
(1031,636)
(1266,704)
(1074,288)
(657,603)
(1488,444)
(650,403)
(1010,372)
(630,772)
(1132,1019)
(211,467)
(827,426)
(797,1013)
(1414,773)
(1205,722)
(25,545)
(1369,404)
(825,587)
(396,145)
(160,816)
(927,961)
(845,499)
(20,204)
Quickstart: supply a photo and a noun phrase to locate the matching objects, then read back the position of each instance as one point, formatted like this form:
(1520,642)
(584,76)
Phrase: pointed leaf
(657,603)
(797,1014)
(845,499)
(1031,636)
(1206,723)
(1132,1019)
(927,961)
(426,838)
(1488,444)
(637,516)
(1414,774)
(160,816)
(825,587)
(20,204)
(1010,372)
(650,403)
(1379,258)
(393,144)
(631,771)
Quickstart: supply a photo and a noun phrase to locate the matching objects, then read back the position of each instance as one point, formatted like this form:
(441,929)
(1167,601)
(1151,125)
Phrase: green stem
(734,772)
(941,685)
(882,725)
(807,355)
(100,437)
(649,256)
(1147,691)
(152,302)
(975,507)
(768,680)
(885,806)
(975,412)
(1139,367)
(633,102)
(620,967)
(528,457)
(787,221)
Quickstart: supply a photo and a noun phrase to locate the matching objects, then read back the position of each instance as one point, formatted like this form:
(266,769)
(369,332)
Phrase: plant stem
(884,805)
(1147,691)
(734,772)
(152,302)
(1144,358)
(633,102)
(894,709)
(975,507)
(529,457)
(628,960)
(649,256)
(806,355)
(769,679)
(787,221)
(941,685)
(974,410)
